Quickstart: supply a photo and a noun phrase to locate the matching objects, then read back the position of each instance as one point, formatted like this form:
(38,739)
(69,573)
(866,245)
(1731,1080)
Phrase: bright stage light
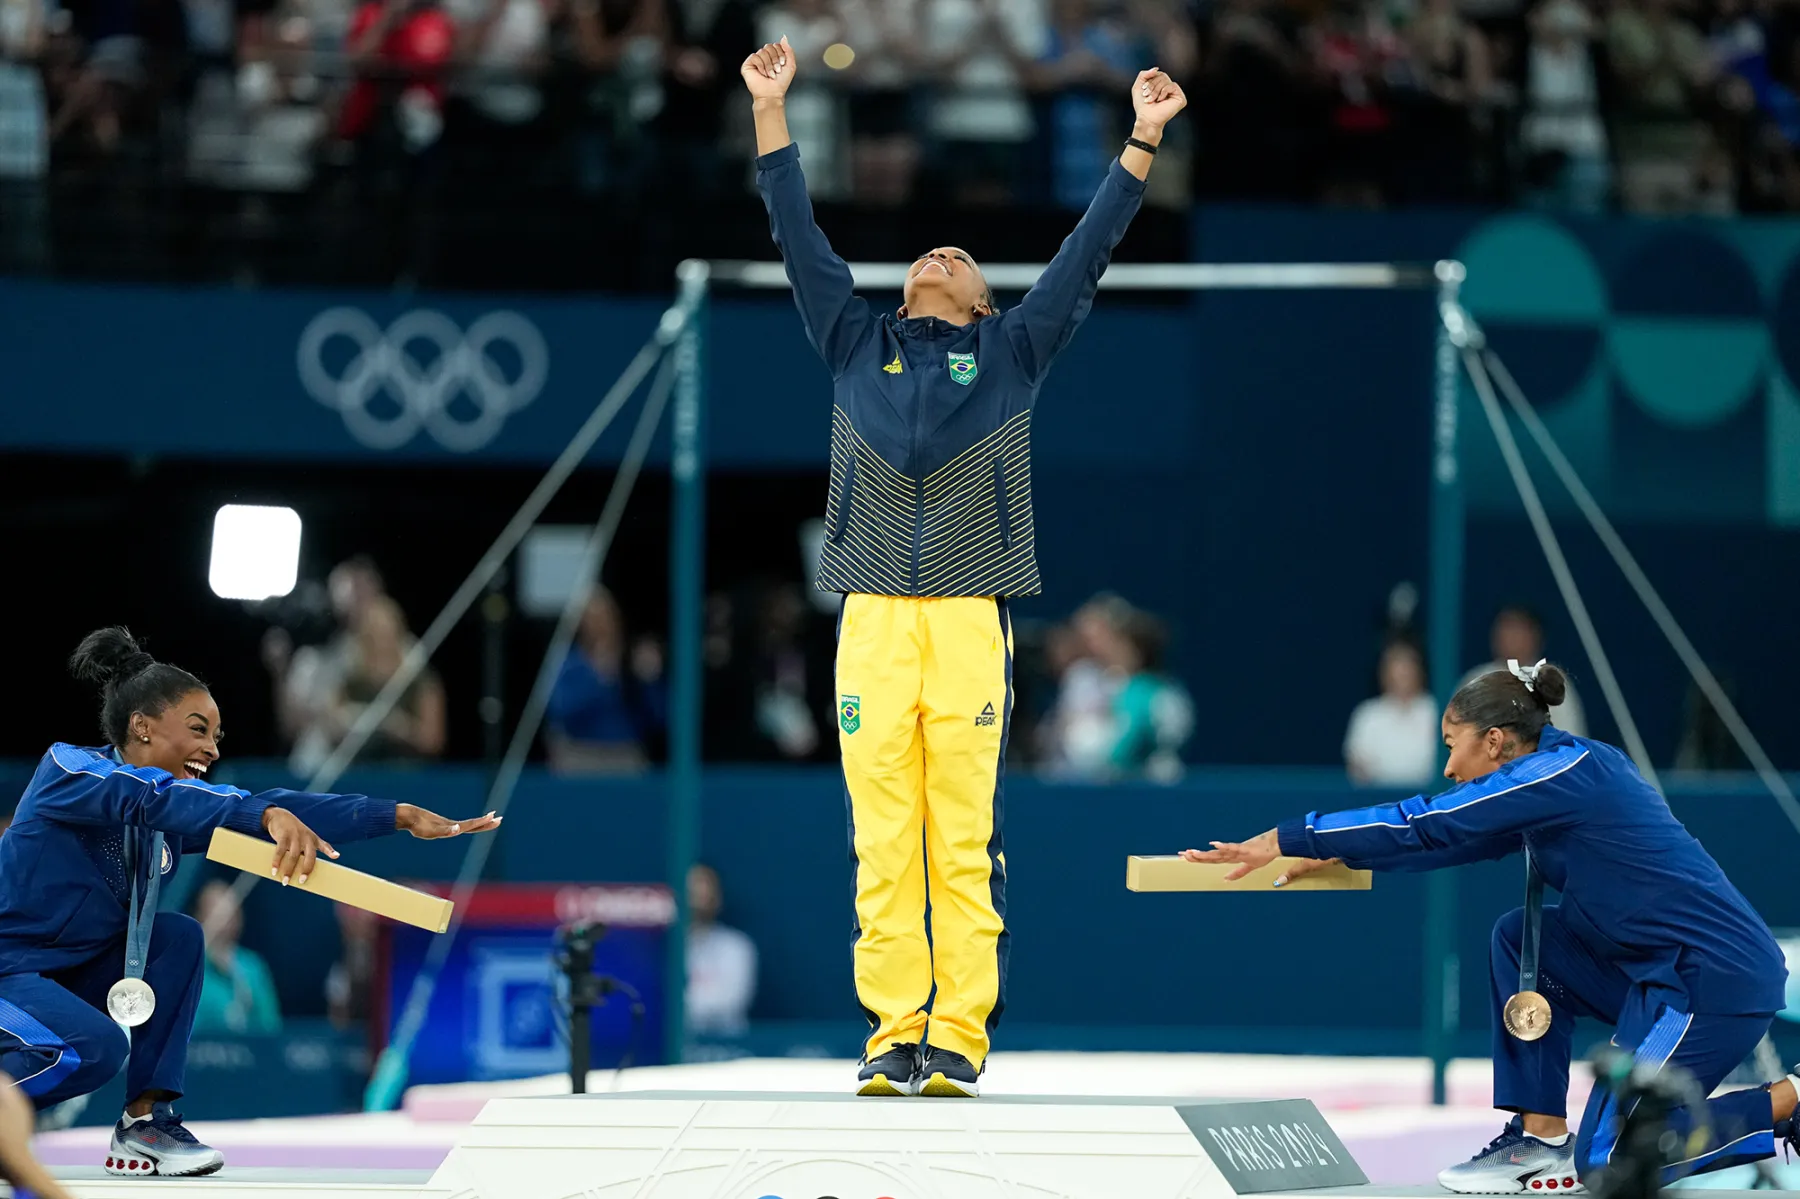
(255,552)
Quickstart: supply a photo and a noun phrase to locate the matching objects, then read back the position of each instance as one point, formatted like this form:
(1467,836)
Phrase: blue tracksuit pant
(57,1041)
(1533,1076)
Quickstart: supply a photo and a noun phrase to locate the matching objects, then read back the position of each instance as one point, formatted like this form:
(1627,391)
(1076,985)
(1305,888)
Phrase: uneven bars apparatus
(677,338)
(1444,611)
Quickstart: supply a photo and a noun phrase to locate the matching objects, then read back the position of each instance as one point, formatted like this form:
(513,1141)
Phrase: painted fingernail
(274,873)
(285,878)
(303,879)
(1280,881)
(456,828)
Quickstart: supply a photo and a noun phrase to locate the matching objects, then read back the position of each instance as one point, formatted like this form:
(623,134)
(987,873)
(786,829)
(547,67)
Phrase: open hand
(296,846)
(1302,867)
(1249,855)
(769,72)
(429,826)
(1155,98)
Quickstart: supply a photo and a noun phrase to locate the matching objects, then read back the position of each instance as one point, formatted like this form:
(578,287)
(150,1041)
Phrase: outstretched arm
(1054,308)
(1472,822)
(1260,851)
(836,319)
(73,786)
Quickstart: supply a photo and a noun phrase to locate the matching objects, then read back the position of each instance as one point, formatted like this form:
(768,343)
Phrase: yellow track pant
(924,704)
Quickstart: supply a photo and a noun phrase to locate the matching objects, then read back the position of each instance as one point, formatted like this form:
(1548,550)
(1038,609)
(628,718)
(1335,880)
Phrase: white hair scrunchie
(1526,674)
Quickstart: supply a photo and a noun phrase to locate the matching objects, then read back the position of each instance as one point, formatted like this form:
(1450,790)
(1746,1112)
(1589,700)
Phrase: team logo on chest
(963,368)
(168,859)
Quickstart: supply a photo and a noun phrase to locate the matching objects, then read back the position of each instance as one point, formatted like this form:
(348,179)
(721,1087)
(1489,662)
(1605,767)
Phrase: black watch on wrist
(1140,144)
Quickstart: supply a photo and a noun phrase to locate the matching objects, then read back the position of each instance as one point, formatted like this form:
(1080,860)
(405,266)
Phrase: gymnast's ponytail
(129,680)
(1517,699)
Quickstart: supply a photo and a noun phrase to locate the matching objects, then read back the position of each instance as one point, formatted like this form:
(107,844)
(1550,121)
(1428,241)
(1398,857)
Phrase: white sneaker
(1516,1163)
(159,1145)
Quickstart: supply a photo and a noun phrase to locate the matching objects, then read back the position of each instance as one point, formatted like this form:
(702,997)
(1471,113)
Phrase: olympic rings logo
(434,391)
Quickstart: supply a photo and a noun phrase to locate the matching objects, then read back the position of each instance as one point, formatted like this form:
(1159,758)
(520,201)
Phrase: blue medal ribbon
(1534,925)
(139,921)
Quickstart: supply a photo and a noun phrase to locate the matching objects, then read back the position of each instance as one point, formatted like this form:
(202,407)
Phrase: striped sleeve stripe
(1432,809)
(31,1033)
(144,774)
(1657,1047)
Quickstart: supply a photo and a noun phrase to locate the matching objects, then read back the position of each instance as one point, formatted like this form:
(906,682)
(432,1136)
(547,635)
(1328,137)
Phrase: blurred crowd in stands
(1093,700)
(392,128)
(1094,696)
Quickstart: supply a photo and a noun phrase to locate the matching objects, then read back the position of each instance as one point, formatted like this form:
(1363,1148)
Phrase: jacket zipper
(919,388)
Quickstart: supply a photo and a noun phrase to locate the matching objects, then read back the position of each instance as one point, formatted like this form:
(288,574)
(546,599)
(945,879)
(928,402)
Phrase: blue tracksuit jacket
(62,881)
(931,433)
(1636,886)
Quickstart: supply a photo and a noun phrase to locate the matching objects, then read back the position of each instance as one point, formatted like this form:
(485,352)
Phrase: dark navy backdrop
(1250,465)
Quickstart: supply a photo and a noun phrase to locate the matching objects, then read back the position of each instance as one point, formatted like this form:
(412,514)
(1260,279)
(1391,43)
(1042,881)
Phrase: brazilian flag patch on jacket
(963,368)
(850,713)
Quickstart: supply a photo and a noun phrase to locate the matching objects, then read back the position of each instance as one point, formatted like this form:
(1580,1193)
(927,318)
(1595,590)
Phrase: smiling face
(183,740)
(945,282)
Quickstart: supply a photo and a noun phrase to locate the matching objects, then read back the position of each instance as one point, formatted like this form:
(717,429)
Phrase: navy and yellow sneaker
(159,1145)
(947,1075)
(895,1072)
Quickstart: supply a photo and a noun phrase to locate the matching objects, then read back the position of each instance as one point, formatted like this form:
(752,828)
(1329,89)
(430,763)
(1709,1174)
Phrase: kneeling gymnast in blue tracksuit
(1649,936)
(93,836)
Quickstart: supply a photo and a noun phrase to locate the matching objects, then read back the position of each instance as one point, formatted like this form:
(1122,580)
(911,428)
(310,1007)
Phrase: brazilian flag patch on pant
(850,713)
(963,368)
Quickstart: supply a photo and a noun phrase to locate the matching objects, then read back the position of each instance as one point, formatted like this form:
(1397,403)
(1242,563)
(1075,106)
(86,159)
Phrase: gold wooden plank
(1172,872)
(332,881)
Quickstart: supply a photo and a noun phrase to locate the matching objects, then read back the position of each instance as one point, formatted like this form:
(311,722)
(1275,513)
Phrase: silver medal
(130,1002)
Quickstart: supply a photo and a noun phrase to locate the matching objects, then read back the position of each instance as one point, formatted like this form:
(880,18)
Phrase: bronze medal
(1527,1016)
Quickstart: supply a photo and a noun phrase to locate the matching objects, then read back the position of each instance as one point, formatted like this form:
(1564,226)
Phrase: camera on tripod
(1643,1097)
(587,991)
(575,946)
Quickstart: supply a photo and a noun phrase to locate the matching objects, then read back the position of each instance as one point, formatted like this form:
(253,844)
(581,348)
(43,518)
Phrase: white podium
(745,1145)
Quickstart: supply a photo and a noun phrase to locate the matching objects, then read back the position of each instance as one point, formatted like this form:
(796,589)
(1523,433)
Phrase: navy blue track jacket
(1637,888)
(931,433)
(62,885)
